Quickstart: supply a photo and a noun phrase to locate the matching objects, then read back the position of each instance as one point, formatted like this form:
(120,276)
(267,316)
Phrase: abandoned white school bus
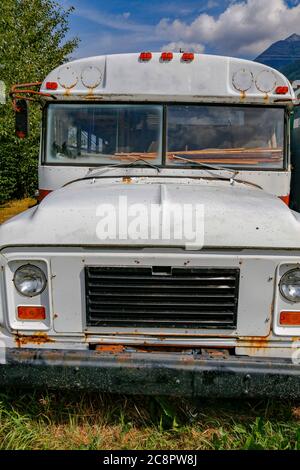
(105,285)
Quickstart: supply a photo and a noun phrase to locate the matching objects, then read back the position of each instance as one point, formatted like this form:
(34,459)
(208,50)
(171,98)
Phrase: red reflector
(31,313)
(282,90)
(187,56)
(166,56)
(43,193)
(20,134)
(144,56)
(289,318)
(286,199)
(51,85)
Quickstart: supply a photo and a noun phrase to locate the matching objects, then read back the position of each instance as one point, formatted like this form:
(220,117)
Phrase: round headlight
(290,285)
(29,280)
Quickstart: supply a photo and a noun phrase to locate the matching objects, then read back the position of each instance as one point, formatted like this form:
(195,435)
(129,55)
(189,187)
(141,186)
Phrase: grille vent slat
(150,297)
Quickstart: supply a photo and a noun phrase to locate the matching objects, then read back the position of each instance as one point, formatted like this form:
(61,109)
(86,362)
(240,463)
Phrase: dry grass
(15,207)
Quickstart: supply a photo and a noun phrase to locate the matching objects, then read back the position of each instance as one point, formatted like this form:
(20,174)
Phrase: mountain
(292,71)
(282,53)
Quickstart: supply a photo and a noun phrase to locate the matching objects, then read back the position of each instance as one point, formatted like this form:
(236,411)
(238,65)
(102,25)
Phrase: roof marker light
(282,90)
(188,56)
(51,85)
(145,56)
(166,56)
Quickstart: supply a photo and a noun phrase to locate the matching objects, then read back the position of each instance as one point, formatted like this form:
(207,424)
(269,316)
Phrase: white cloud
(183,46)
(244,28)
(118,22)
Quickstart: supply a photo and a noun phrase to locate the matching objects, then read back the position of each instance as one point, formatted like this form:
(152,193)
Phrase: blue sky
(241,28)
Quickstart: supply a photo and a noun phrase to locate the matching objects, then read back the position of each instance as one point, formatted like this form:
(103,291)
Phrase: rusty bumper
(151,373)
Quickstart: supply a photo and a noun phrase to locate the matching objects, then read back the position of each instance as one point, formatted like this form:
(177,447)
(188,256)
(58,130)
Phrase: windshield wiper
(206,165)
(91,172)
(219,168)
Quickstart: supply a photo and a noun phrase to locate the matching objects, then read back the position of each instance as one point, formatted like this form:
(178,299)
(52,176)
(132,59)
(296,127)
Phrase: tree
(32,43)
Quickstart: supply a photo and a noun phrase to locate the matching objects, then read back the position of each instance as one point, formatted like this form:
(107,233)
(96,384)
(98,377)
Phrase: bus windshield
(100,134)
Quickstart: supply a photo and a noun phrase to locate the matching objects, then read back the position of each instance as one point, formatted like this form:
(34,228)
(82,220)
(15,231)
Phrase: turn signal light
(187,56)
(30,312)
(282,90)
(145,56)
(289,318)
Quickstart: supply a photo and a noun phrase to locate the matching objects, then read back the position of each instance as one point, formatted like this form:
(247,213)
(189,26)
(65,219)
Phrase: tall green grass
(48,420)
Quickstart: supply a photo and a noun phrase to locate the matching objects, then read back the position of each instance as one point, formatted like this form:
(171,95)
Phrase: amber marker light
(289,318)
(29,312)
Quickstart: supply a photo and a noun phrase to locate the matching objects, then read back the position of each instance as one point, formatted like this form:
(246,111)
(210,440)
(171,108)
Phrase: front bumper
(152,373)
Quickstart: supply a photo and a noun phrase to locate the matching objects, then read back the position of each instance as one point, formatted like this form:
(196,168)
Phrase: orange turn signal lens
(289,318)
(29,312)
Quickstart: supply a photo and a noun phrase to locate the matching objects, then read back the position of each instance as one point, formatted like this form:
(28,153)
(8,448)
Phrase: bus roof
(170,77)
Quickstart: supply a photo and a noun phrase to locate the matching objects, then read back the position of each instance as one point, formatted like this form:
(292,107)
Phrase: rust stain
(123,357)
(36,338)
(91,92)
(110,348)
(127,179)
(254,343)
(188,359)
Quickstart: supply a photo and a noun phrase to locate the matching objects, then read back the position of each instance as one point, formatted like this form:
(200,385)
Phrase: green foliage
(77,420)
(32,43)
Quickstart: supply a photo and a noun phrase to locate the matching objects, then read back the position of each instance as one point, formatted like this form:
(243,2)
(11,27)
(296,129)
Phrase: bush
(32,43)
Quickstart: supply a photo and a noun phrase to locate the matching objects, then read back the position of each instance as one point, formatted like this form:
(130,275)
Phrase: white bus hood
(235,216)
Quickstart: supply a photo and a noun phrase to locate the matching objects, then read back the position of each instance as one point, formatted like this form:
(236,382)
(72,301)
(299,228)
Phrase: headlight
(290,285)
(29,280)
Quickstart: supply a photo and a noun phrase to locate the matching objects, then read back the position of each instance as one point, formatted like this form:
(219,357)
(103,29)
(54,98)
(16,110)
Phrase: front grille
(161,297)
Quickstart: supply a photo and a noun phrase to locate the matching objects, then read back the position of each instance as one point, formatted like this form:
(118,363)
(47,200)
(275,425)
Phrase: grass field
(57,420)
(35,420)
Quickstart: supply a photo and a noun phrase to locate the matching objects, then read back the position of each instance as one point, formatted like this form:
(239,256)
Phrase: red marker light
(20,134)
(51,85)
(42,193)
(166,56)
(145,56)
(285,199)
(282,90)
(188,56)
